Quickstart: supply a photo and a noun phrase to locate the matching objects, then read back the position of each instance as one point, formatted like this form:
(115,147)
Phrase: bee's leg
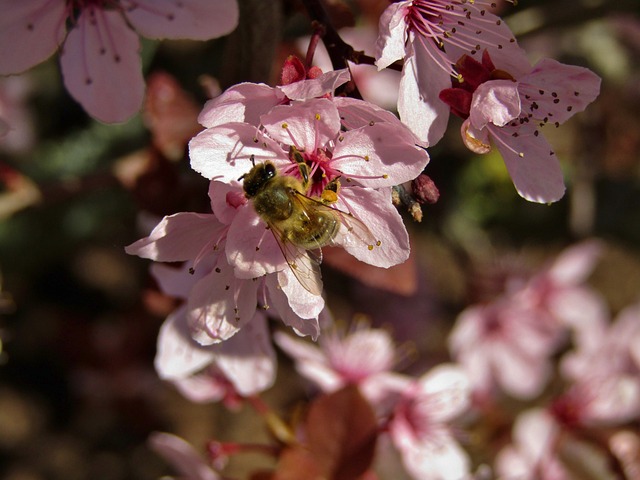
(330,192)
(296,156)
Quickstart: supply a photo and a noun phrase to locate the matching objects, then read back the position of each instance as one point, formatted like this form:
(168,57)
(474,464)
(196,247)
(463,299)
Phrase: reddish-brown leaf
(341,434)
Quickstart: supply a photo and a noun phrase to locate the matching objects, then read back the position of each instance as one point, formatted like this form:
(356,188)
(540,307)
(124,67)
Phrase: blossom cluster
(300,166)
(236,261)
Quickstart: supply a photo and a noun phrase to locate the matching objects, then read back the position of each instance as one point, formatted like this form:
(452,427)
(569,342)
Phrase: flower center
(464,24)
(473,74)
(313,169)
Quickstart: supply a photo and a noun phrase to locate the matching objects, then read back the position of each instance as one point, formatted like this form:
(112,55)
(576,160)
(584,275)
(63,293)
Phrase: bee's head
(257,178)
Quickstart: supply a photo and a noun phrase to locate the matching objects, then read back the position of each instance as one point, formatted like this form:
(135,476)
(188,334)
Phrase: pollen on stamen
(227,287)
(521,154)
(366,158)
(317,116)
(378,243)
(218,270)
(285,125)
(385,176)
(191,271)
(265,307)
(370,247)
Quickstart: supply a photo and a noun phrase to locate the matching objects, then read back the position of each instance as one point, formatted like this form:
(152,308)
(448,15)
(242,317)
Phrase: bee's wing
(305,264)
(355,232)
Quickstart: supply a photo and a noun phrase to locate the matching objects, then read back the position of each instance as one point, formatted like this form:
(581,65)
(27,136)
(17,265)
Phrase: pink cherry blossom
(507,105)
(420,426)
(532,455)
(246,102)
(605,373)
(599,400)
(365,357)
(182,456)
(559,289)
(100,54)
(606,349)
(504,345)
(367,160)
(218,303)
(430,36)
(416,413)
(543,450)
(508,342)
(243,365)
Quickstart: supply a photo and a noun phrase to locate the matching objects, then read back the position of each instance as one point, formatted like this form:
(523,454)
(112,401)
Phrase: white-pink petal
(251,247)
(375,210)
(419,106)
(520,375)
(561,90)
(303,303)
(224,152)
(101,65)
(316,87)
(390,45)
(178,237)
(356,113)
(575,264)
(244,102)
(202,387)
(247,359)
(384,153)
(30,32)
(441,459)
(496,102)
(178,355)
(192,19)
(306,125)
(310,362)
(219,305)
(176,282)
(448,390)
(181,456)
(226,200)
(532,164)
(284,306)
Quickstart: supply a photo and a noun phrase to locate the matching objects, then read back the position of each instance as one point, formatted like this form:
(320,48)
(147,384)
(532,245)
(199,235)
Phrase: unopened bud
(292,71)
(424,189)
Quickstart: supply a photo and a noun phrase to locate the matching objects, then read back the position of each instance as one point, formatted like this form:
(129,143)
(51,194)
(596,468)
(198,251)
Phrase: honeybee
(298,221)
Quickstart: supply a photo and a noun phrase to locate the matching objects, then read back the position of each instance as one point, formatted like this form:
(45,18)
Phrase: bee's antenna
(253,162)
